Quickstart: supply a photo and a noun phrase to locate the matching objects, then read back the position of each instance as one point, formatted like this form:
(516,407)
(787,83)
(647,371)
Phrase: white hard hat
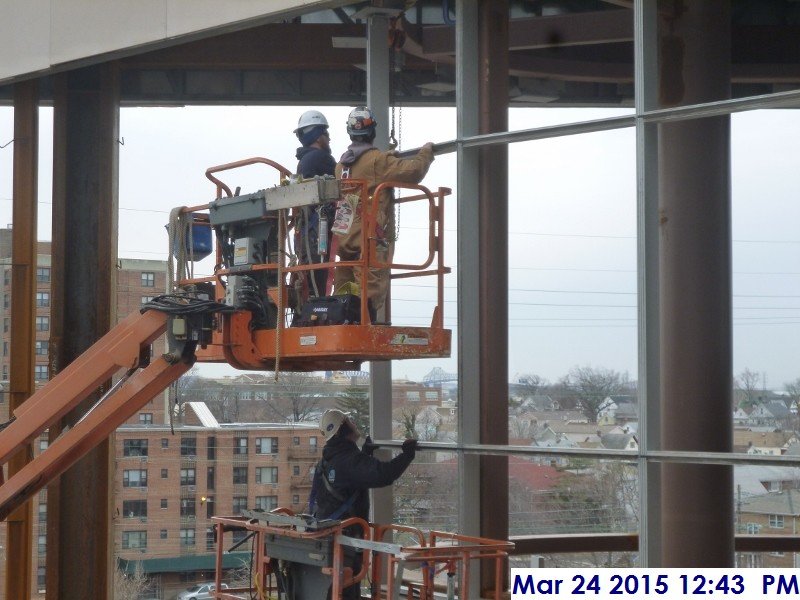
(330,422)
(310,118)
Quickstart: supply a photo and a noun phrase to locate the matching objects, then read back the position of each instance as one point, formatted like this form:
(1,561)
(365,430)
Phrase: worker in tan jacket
(363,161)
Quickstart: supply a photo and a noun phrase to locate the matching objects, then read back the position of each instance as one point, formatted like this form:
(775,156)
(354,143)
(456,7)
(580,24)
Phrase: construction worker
(363,161)
(314,159)
(345,474)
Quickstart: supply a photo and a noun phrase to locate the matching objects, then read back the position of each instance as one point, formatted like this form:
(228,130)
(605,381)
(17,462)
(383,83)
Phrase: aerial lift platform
(254,258)
(297,557)
(250,314)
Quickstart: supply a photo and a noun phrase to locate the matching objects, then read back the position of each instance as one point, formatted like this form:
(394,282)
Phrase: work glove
(368,448)
(410,447)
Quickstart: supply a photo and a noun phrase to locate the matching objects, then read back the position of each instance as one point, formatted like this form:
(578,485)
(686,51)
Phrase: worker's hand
(428,146)
(368,448)
(410,447)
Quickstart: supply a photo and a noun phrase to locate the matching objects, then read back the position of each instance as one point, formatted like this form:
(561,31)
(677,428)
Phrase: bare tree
(591,386)
(428,424)
(130,586)
(294,397)
(224,402)
(747,384)
(530,384)
(520,429)
(189,387)
(793,399)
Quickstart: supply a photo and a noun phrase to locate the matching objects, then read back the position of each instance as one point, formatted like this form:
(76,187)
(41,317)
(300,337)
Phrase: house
(740,417)
(756,480)
(773,413)
(618,408)
(761,441)
(774,514)
(540,402)
(619,441)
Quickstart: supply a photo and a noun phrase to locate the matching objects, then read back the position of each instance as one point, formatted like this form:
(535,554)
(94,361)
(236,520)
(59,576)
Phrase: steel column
(646,63)
(493,270)
(469,337)
(23,289)
(85,205)
(380,373)
(695,287)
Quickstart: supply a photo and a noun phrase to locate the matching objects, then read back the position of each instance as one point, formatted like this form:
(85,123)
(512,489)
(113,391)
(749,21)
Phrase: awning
(184,563)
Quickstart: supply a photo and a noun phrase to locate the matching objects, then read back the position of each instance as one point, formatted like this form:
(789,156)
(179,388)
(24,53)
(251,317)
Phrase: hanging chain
(397,38)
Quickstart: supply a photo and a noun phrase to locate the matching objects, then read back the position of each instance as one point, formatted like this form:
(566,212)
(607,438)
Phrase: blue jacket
(352,471)
(314,161)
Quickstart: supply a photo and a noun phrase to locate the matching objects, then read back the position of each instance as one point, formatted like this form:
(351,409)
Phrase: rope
(177,230)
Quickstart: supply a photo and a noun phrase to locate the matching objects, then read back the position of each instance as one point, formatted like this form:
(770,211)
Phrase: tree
(793,400)
(224,403)
(748,385)
(408,419)
(529,384)
(294,397)
(130,586)
(591,386)
(427,426)
(355,401)
(520,429)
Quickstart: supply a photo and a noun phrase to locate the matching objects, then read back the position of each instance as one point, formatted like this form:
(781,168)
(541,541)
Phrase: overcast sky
(572,240)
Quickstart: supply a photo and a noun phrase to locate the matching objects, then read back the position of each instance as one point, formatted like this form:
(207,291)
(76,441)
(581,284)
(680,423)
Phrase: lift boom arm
(122,347)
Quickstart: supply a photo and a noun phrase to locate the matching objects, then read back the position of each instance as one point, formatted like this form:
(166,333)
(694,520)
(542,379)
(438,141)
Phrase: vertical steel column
(85,206)
(493,269)
(468,288)
(380,373)
(695,287)
(646,67)
(23,289)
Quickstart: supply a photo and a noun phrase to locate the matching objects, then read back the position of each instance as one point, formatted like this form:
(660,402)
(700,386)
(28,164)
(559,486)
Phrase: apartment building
(137,282)
(775,513)
(169,485)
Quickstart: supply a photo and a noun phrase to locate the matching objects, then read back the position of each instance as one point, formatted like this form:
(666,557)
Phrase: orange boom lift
(256,312)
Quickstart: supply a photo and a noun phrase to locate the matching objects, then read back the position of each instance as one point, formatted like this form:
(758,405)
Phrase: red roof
(533,476)
(526,472)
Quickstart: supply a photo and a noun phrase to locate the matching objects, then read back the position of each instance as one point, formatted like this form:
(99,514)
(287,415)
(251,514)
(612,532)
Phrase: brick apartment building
(137,282)
(168,486)
(776,513)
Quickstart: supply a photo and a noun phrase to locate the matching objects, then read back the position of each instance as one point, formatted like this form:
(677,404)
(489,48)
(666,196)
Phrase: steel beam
(552,31)
(493,270)
(468,288)
(23,311)
(85,206)
(646,61)
(380,373)
(695,288)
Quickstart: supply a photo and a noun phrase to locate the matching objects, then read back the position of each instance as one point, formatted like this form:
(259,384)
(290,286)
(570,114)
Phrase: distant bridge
(438,375)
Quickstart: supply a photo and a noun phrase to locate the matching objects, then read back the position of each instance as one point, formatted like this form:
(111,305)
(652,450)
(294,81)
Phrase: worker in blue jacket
(314,159)
(345,474)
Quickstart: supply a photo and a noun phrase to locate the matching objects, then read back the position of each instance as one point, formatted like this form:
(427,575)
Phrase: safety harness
(321,472)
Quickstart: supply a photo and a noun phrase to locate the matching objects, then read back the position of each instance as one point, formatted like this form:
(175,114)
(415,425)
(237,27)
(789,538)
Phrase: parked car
(202,591)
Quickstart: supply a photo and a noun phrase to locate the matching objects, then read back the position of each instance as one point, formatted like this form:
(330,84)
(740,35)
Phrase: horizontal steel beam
(662,456)
(629,542)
